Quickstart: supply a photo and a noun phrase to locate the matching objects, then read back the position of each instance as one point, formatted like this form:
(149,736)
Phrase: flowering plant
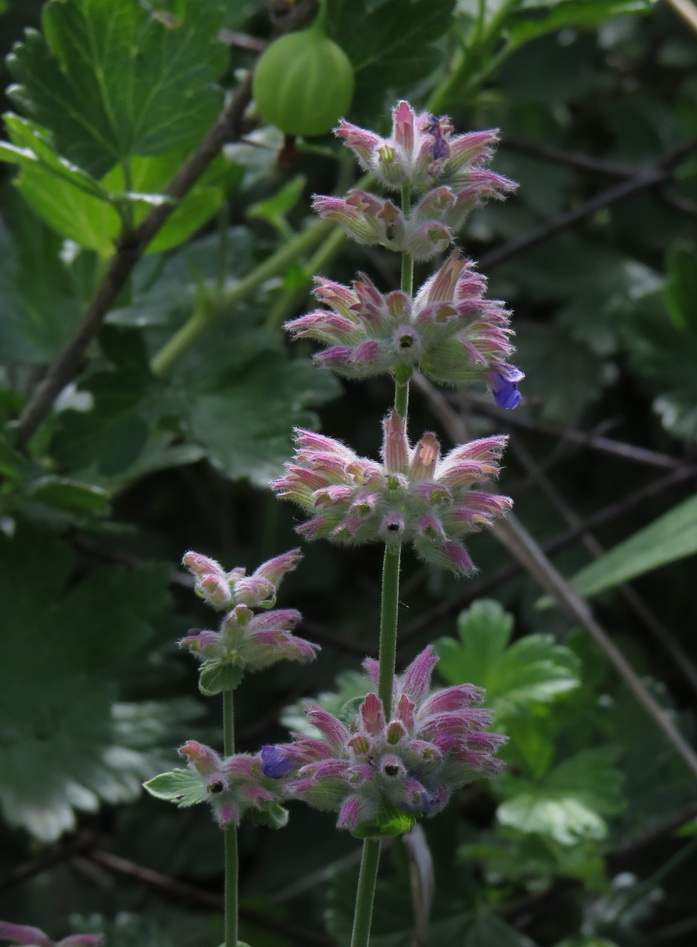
(399,754)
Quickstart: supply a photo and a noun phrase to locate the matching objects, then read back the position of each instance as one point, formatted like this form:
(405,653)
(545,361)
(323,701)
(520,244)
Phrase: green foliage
(570,803)
(71,79)
(670,537)
(660,332)
(394,47)
(65,745)
(180,786)
(516,676)
(144,456)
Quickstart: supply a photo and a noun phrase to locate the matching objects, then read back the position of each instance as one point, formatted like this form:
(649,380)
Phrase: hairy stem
(230,832)
(367,880)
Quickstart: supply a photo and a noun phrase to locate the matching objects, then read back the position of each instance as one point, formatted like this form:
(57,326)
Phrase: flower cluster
(423,154)
(234,785)
(222,589)
(33,937)
(423,151)
(245,640)
(449,330)
(380,775)
(413,496)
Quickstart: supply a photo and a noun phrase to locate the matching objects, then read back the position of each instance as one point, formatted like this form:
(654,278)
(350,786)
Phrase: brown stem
(69,362)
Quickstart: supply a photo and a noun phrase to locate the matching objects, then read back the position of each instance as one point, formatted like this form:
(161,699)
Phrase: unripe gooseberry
(303,83)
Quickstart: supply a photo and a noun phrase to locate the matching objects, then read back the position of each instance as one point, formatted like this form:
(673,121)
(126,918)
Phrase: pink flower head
(245,641)
(414,496)
(251,642)
(381,774)
(422,151)
(224,590)
(428,229)
(449,330)
(233,785)
(34,937)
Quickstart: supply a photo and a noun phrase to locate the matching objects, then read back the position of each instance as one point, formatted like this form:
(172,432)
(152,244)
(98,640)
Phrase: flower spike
(450,330)
(381,775)
(413,496)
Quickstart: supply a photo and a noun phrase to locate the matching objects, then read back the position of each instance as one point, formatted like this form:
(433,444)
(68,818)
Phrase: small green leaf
(546,16)
(387,824)
(532,670)
(70,495)
(274,209)
(275,816)
(217,676)
(180,786)
(84,81)
(570,803)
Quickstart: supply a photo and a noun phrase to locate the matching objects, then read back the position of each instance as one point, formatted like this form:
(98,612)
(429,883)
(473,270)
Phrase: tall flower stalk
(450,331)
(405,749)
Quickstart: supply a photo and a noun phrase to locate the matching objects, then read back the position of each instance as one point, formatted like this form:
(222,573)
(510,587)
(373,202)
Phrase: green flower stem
(303,243)
(230,833)
(403,374)
(388,625)
(401,396)
(407,282)
(365,895)
(285,305)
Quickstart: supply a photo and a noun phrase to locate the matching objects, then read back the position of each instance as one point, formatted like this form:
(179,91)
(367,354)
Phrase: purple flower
(223,589)
(245,641)
(428,228)
(422,152)
(414,496)
(251,641)
(504,386)
(275,763)
(233,785)
(33,937)
(380,775)
(449,330)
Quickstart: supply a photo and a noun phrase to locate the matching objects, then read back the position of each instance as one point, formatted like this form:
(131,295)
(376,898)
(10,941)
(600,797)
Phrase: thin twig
(644,179)
(682,660)
(570,158)
(687,11)
(588,439)
(447,607)
(68,363)
(521,544)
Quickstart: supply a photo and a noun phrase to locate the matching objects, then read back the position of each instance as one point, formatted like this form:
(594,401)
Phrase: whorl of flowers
(422,151)
(233,785)
(381,775)
(449,330)
(423,154)
(223,590)
(245,640)
(413,496)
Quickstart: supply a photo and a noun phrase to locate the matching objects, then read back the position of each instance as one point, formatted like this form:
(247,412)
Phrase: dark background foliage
(588,839)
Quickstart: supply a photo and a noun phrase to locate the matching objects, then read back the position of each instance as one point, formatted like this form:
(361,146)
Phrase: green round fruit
(303,83)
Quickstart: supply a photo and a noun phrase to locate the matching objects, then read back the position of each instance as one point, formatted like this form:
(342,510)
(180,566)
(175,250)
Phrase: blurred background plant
(148,394)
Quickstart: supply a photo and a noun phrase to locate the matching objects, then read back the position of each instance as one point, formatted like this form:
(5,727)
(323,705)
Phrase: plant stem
(365,895)
(276,263)
(230,832)
(388,625)
(389,619)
